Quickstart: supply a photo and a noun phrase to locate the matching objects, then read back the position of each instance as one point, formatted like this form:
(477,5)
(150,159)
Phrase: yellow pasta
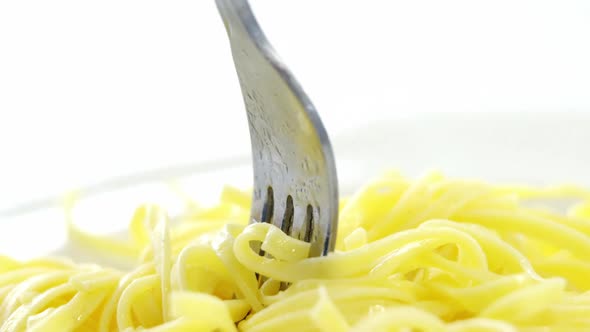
(435,254)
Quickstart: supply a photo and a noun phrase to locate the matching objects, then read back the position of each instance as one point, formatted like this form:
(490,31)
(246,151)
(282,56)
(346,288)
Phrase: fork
(295,183)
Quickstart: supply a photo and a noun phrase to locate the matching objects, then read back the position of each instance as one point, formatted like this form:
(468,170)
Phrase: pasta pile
(434,254)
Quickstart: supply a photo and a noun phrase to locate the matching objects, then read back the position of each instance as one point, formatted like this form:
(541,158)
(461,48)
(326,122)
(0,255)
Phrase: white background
(89,90)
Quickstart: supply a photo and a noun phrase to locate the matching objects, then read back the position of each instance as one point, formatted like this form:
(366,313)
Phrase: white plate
(534,148)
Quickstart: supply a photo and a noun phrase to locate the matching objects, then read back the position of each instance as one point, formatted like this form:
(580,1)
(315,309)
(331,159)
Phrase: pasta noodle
(434,254)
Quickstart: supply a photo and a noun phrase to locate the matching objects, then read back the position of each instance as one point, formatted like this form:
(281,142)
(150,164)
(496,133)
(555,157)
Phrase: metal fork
(295,184)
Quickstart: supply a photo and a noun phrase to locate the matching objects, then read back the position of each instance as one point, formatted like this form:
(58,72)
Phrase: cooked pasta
(434,254)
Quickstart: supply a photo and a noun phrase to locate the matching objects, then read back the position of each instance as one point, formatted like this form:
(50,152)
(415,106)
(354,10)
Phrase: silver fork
(295,184)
